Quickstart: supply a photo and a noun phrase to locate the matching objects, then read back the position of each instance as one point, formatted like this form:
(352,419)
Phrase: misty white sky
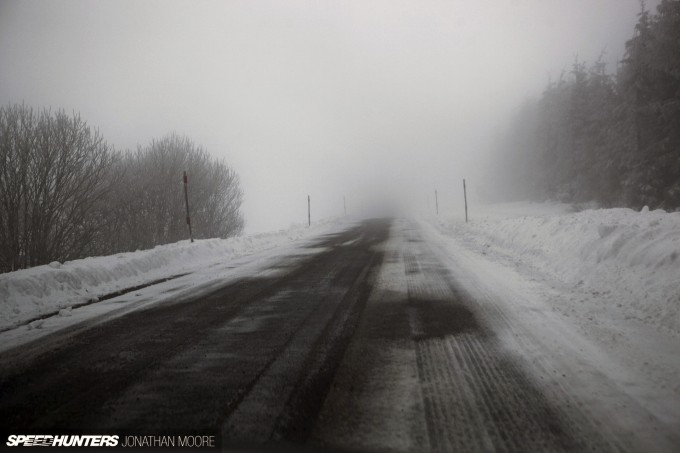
(328,98)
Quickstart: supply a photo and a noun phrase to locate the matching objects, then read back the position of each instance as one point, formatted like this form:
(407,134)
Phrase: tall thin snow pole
(344,205)
(309,211)
(186,202)
(436,201)
(465,197)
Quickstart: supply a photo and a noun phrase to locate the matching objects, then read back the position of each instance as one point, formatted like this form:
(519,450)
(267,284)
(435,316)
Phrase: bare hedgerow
(66,194)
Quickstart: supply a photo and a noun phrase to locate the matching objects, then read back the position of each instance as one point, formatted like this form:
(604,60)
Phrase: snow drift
(628,260)
(43,290)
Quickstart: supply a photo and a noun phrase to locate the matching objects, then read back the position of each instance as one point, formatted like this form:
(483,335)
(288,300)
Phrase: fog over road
(367,343)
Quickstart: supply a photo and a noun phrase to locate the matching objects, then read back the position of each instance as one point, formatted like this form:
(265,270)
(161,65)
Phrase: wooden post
(186,202)
(309,211)
(436,201)
(465,197)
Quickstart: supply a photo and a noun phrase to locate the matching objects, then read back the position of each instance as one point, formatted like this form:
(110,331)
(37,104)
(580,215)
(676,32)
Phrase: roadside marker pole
(465,197)
(344,205)
(309,211)
(186,202)
(436,201)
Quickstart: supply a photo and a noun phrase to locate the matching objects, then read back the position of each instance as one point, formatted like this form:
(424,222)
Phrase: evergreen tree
(614,140)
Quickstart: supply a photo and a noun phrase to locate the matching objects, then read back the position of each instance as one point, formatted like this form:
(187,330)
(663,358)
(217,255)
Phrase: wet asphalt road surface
(365,344)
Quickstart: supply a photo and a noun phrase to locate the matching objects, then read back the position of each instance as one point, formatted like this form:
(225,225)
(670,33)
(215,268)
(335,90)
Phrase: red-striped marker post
(186,201)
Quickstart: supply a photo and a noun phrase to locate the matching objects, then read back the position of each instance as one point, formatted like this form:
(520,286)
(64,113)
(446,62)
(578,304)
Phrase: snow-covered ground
(591,299)
(32,294)
(613,262)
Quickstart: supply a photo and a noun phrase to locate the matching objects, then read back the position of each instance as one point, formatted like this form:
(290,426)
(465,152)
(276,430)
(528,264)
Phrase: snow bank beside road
(621,259)
(54,288)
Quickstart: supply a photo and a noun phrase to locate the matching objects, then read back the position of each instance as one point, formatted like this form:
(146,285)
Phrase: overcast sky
(328,98)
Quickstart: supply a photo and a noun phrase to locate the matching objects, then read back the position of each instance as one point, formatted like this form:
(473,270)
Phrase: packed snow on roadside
(607,261)
(587,300)
(55,288)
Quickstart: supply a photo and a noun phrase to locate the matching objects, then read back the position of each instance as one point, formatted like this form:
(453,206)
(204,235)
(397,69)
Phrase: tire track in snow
(468,380)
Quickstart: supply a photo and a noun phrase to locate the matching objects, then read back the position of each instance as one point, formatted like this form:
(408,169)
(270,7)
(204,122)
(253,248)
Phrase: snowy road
(368,343)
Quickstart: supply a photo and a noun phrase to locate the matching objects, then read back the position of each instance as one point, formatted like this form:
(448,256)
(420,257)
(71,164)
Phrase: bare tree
(53,172)
(148,198)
